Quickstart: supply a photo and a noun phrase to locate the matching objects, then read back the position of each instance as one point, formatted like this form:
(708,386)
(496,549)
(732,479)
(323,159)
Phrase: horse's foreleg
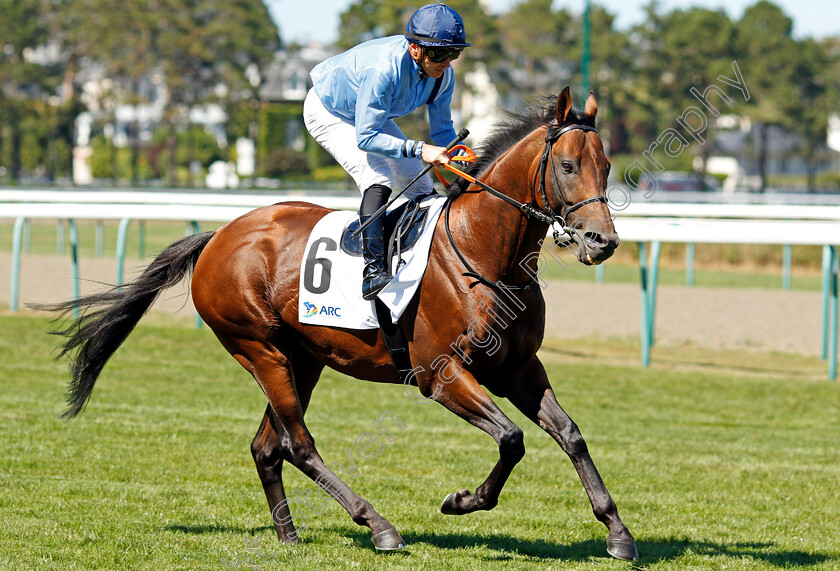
(532,394)
(465,397)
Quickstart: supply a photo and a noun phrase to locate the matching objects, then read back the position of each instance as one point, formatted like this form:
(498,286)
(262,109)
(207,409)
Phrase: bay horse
(550,161)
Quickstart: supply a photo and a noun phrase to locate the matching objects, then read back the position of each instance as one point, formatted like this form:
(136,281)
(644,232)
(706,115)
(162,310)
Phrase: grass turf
(716,460)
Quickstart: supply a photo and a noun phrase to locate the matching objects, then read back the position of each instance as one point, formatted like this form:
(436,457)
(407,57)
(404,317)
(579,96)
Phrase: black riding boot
(376,274)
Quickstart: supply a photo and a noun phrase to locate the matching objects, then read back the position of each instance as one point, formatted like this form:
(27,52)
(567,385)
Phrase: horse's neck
(495,236)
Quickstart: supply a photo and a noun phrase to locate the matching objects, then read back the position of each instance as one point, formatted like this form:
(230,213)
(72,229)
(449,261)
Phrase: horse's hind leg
(532,394)
(274,372)
(269,456)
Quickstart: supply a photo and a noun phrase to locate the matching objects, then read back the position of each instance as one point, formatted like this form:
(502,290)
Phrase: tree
(672,53)
(810,120)
(122,38)
(362,21)
(610,63)
(646,101)
(25,27)
(211,43)
(203,49)
(699,44)
(768,57)
(539,40)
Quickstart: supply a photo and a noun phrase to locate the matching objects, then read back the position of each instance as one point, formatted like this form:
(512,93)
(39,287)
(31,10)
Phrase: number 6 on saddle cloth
(332,264)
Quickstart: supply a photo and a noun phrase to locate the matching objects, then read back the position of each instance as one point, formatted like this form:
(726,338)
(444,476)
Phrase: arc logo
(313,310)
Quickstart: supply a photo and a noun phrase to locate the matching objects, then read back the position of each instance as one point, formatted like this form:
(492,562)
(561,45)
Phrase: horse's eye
(567,167)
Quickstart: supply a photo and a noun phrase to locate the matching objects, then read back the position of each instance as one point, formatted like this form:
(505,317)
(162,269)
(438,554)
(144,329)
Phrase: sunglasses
(439,55)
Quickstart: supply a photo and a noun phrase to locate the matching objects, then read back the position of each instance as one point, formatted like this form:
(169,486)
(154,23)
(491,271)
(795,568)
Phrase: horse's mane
(514,127)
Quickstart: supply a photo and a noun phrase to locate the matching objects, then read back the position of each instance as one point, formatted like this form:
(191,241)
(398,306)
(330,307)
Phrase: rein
(536,213)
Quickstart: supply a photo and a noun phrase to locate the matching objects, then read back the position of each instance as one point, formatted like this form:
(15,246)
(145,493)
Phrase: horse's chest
(500,335)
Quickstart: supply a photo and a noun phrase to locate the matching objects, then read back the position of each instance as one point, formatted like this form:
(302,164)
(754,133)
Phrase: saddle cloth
(331,278)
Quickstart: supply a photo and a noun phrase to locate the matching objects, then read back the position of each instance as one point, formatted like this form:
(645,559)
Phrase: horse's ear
(564,105)
(591,108)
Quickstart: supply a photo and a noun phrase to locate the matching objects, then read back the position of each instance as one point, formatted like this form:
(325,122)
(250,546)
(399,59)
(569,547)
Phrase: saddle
(403,227)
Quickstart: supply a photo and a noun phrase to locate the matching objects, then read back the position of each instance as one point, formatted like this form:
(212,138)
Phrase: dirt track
(752,319)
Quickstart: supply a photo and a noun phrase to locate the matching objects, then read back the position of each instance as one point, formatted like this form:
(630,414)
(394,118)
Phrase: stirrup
(374,283)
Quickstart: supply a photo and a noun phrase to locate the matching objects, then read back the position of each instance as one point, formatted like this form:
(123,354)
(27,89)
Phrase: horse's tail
(108,318)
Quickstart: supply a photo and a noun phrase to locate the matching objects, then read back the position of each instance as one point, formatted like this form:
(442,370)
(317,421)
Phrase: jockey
(351,108)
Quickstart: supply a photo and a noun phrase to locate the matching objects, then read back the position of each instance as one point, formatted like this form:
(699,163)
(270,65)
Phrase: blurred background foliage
(206,51)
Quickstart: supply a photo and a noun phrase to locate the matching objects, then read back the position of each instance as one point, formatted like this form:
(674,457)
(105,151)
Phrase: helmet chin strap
(418,59)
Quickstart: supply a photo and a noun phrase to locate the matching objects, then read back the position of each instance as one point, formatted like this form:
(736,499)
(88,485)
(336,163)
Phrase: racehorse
(477,319)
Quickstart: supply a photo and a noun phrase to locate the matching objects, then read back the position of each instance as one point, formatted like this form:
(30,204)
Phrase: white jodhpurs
(338,136)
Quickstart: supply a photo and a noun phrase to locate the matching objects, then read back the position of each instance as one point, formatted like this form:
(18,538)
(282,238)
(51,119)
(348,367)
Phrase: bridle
(546,163)
(547,215)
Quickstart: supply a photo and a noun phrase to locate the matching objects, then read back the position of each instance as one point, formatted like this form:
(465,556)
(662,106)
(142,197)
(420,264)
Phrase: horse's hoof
(388,540)
(450,505)
(622,549)
(294,540)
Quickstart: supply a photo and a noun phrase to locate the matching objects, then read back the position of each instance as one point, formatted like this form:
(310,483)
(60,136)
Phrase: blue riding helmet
(436,25)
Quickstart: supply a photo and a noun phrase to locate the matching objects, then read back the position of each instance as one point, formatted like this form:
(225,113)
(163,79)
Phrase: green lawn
(716,460)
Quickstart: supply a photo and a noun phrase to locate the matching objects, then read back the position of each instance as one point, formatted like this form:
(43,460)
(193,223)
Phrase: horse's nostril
(595,238)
